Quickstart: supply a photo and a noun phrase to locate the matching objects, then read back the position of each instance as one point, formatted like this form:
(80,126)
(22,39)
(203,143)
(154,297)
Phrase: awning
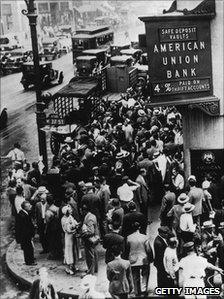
(80,87)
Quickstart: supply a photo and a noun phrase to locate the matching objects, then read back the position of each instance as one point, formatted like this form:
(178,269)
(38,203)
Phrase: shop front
(185,54)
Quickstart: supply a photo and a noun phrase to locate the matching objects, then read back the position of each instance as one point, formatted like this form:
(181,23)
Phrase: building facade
(185,44)
(50,13)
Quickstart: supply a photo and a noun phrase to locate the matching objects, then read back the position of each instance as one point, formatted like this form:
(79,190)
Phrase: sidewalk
(64,283)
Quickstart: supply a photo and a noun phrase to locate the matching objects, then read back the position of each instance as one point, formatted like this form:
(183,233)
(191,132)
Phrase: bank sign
(179,59)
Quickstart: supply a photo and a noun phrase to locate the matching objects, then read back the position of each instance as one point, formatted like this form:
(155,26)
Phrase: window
(43,7)
(64,6)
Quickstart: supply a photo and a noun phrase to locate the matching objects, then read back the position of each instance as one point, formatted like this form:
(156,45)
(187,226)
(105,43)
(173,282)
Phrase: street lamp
(40,115)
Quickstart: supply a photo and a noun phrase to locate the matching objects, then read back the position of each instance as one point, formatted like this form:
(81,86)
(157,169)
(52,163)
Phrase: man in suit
(89,230)
(143,192)
(140,256)
(111,239)
(196,197)
(131,217)
(160,245)
(119,275)
(27,232)
(40,209)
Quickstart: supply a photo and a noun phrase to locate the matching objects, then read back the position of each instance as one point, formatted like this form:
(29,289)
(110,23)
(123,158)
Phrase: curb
(9,262)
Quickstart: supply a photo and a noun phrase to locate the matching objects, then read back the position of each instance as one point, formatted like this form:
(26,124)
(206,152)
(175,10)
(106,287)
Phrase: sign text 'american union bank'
(179,59)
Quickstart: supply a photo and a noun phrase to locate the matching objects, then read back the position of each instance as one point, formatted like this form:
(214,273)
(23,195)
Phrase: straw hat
(188,207)
(122,155)
(183,198)
(208,224)
(192,178)
(141,112)
(68,140)
(205,185)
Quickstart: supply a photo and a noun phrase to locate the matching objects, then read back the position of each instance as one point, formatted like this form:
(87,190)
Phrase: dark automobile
(48,75)
(51,48)
(100,54)
(85,65)
(135,53)
(11,61)
(121,60)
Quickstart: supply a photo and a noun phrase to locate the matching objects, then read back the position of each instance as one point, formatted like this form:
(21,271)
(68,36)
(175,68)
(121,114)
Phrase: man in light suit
(143,192)
(160,245)
(89,230)
(140,256)
(40,209)
(119,275)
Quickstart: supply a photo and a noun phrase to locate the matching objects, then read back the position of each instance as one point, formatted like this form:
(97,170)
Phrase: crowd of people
(107,181)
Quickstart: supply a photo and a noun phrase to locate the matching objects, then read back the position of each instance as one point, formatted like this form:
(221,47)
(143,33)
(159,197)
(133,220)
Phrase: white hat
(89,185)
(208,224)
(205,185)
(42,189)
(141,112)
(183,198)
(65,209)
(68,140)
(192,178)
(188,207)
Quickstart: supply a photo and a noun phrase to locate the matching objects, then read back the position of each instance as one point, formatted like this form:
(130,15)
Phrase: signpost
(179,54)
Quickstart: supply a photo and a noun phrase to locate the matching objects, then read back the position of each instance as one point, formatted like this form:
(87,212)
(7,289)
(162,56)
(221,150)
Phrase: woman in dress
(69,226)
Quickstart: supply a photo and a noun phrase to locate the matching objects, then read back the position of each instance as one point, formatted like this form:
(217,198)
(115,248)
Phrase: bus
(91,38)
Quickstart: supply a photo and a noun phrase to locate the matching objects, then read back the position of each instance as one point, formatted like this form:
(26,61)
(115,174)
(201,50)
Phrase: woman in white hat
(69,226)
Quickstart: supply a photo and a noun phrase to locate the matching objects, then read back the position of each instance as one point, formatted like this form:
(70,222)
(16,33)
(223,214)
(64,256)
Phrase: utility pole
(40,105)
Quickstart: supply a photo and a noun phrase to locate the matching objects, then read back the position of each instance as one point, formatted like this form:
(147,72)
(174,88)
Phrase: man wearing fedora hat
(192,270)
(186,223)
(177,210)
(207,243)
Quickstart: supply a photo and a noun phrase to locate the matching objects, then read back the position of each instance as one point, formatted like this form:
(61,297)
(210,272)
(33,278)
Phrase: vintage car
(48,75)
(116,48)
(65,42)
(100,54)
(135,53)
(8,42)
(121,60)
(85,65)
(51,48)
(11,61)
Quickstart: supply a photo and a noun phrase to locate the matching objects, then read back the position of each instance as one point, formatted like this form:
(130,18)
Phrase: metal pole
(40,115)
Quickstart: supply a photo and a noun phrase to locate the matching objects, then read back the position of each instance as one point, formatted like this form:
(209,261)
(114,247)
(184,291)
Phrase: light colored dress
(69,225)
